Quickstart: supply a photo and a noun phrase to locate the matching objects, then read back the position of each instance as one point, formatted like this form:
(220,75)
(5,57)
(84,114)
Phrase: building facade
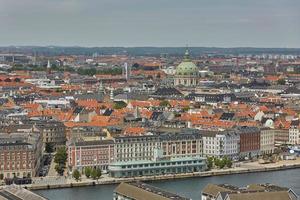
(95,154)
(158,154)
(160,166)
(135,148)
(20,154)
(53,132)
(249,141)
(294,133)
(267,141)
(181,144)
(221,143)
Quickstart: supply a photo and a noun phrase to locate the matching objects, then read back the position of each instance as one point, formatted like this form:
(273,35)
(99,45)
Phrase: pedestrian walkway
(59,180)
(52,171)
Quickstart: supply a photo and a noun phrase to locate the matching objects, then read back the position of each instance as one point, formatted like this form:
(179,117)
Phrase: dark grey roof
(164,91)
(156,115)
(95,142)
(97,96)
(295,122)
(247,129)
(108,112)
(227,116)
(292,90)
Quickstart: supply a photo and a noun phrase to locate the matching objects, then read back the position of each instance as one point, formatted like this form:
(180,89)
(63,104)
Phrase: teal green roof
(187,67)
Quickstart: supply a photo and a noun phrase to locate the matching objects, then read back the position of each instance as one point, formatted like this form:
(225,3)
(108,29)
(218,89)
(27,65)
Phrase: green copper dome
(187,67)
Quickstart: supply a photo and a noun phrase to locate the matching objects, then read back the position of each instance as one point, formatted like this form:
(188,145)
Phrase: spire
(48,65)
(111,94)
(187,55)
(101,88)
(137,113)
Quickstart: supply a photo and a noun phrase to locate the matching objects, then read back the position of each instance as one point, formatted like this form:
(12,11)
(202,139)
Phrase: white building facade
(267,141)
(220,144)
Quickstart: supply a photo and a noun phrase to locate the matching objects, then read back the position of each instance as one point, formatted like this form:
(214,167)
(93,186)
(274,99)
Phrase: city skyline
(131,23)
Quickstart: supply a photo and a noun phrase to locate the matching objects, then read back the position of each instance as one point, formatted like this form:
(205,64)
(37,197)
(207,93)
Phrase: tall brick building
(20,154)
(98,154)
(249,141)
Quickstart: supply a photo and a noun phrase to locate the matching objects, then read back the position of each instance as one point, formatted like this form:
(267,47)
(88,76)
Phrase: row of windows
(161,164)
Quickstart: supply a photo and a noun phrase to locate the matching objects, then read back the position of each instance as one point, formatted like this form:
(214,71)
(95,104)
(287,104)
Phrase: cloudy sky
(219,23)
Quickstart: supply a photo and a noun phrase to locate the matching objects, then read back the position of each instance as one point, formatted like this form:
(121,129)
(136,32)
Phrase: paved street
(49,180)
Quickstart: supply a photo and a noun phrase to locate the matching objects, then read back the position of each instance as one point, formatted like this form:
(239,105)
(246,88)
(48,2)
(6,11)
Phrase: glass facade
(159,167)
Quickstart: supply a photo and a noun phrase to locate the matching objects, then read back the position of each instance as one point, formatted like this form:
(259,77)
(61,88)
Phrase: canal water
(190,187)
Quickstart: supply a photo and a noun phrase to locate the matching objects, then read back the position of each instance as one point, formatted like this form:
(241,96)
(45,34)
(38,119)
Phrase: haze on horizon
(210,23)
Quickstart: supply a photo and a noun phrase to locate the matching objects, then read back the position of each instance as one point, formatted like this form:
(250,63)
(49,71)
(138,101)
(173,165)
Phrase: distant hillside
(56,50)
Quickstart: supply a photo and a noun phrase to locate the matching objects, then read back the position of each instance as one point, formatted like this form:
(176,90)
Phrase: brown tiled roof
(280,195)
(133,191)
(213,190)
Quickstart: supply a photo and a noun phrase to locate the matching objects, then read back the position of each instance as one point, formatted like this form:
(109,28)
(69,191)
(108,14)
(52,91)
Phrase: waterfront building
(187,73)
(252,191)
(160,166)
(281,136)
(142,191)
(95,154)
(20,154)
(221,143)
(14,192)
(211,191)
(267,141)
(181,144)
(294,132)
(157,154)
(135,148)
(249,141)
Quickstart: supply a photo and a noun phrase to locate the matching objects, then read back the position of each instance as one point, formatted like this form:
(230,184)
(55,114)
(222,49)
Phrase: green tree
(185,109)
(210,162)
(59,169)
(76,174)
(217,162)
(87,172)
(49,148)
(281,81)
(94,174)
(1,176)
(60,160)
(61,156)
(120,105)
(135,66)
(222,163)
(227,161)
(164,103)
(98,173)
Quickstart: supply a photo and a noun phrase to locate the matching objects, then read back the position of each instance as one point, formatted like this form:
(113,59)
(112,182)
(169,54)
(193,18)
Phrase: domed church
(187,73)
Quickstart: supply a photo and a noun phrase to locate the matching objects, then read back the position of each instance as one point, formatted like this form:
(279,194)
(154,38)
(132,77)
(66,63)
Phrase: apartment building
(267,141)
(294,132)
(221,143)
(20,154)
(135,148)
(95,154)
(249,141)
